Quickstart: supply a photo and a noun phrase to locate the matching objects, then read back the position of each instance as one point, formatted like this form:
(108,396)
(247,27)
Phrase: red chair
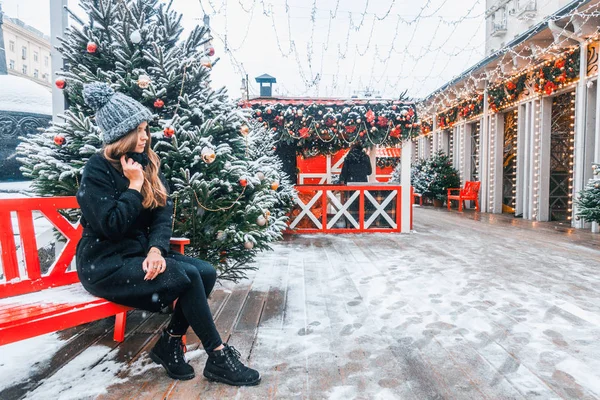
(470,192)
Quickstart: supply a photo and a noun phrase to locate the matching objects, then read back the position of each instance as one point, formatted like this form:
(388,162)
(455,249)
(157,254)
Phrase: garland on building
(447,118)
(545,79)
(327,128)
(502,95)
(552,75)
(465,109)
(426,127)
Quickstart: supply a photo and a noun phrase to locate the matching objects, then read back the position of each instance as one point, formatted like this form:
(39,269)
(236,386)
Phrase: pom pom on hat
(97,94)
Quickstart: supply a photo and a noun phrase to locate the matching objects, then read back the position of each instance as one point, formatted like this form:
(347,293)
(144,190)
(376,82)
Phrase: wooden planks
(462,309)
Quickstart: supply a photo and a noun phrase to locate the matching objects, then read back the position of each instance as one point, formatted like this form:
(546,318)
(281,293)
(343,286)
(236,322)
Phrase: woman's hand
(134,172)
(154,264)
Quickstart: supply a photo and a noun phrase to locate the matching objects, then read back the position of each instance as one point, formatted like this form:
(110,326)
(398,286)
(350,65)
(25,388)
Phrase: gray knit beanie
(116,113)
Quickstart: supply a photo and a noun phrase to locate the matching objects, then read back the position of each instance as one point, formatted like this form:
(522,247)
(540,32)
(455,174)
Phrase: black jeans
(192,305)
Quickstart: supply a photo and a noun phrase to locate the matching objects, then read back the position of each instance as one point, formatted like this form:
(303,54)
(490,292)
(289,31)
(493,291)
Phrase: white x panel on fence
(342,209)
(306,211)
(380,209)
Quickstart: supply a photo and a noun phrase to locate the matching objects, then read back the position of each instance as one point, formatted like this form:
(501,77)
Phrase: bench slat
(24,314)
(67,319)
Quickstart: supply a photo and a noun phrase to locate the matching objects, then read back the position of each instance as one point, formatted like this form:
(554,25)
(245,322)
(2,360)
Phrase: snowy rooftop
(22,95)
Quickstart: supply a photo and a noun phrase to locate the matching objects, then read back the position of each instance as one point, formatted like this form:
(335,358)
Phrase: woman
(124,255)
(357,165)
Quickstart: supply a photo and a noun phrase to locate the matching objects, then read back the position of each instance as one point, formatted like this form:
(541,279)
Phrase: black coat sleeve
(368,167)
(162,223)
(109,214)
(344,173)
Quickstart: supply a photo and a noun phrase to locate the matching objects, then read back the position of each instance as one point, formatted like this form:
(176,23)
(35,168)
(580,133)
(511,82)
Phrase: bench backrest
(471,188)
(29,279)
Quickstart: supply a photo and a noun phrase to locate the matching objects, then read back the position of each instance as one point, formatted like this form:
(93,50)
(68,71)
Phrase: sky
(327,48)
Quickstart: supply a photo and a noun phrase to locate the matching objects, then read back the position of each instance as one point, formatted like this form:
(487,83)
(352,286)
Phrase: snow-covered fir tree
(231,198)
(588,202)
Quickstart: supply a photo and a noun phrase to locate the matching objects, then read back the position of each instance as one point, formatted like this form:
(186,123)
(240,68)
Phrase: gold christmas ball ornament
(143,81)
(244,130)
(208,155)
(206,62)
(267,214)
(249,245)
(275,185)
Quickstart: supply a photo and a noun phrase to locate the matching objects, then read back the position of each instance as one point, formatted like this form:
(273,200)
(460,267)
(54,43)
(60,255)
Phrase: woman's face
(142,137)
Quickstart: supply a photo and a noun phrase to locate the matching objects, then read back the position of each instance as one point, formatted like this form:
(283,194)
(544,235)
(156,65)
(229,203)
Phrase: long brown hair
(153,191)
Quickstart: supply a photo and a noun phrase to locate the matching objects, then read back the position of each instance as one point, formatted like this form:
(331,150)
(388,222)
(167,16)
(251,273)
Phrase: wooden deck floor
(468,307)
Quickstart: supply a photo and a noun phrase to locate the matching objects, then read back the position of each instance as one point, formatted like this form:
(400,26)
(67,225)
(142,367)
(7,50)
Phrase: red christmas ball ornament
(394,107)
(169,132)
(92,47)
(158,103)
(243,182)
(60,83)
(59,140)
(258,112)
(211,51)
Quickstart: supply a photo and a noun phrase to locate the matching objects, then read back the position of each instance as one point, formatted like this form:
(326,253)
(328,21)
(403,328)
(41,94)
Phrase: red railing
(347,209)
(30,279)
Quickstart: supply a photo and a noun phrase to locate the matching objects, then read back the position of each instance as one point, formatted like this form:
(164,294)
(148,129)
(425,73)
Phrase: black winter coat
(356,168)
(117,234)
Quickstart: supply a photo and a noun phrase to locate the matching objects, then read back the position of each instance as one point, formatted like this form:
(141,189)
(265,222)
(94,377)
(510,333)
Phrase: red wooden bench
(33,303)
(469,192)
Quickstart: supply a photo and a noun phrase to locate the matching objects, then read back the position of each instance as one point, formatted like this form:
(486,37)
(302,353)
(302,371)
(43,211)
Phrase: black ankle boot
(225,366)
(169,351)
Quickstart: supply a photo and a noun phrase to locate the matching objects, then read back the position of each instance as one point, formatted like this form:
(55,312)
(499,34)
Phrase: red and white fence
(347,209)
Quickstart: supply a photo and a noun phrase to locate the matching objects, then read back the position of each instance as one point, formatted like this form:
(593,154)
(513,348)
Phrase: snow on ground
(16,365)
(85,377)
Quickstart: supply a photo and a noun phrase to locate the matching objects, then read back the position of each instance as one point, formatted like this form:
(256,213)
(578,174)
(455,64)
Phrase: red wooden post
(361,210)
(120,320)
(399,209)
(324,208)
(9,250)
(27,234)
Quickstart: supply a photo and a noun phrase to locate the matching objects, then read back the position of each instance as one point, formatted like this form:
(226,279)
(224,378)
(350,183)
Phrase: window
(35,56)
(36,73)
(24,52)
(45,77)
(11,46)
(499,22)
(25,69)
(46,61)
(11,64)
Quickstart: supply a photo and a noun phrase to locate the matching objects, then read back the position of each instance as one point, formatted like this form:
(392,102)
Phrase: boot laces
(233,357)
(179,350)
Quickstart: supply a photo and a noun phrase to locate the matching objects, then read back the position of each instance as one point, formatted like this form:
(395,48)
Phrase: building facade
(525,121)
(27,51)
(508,19)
